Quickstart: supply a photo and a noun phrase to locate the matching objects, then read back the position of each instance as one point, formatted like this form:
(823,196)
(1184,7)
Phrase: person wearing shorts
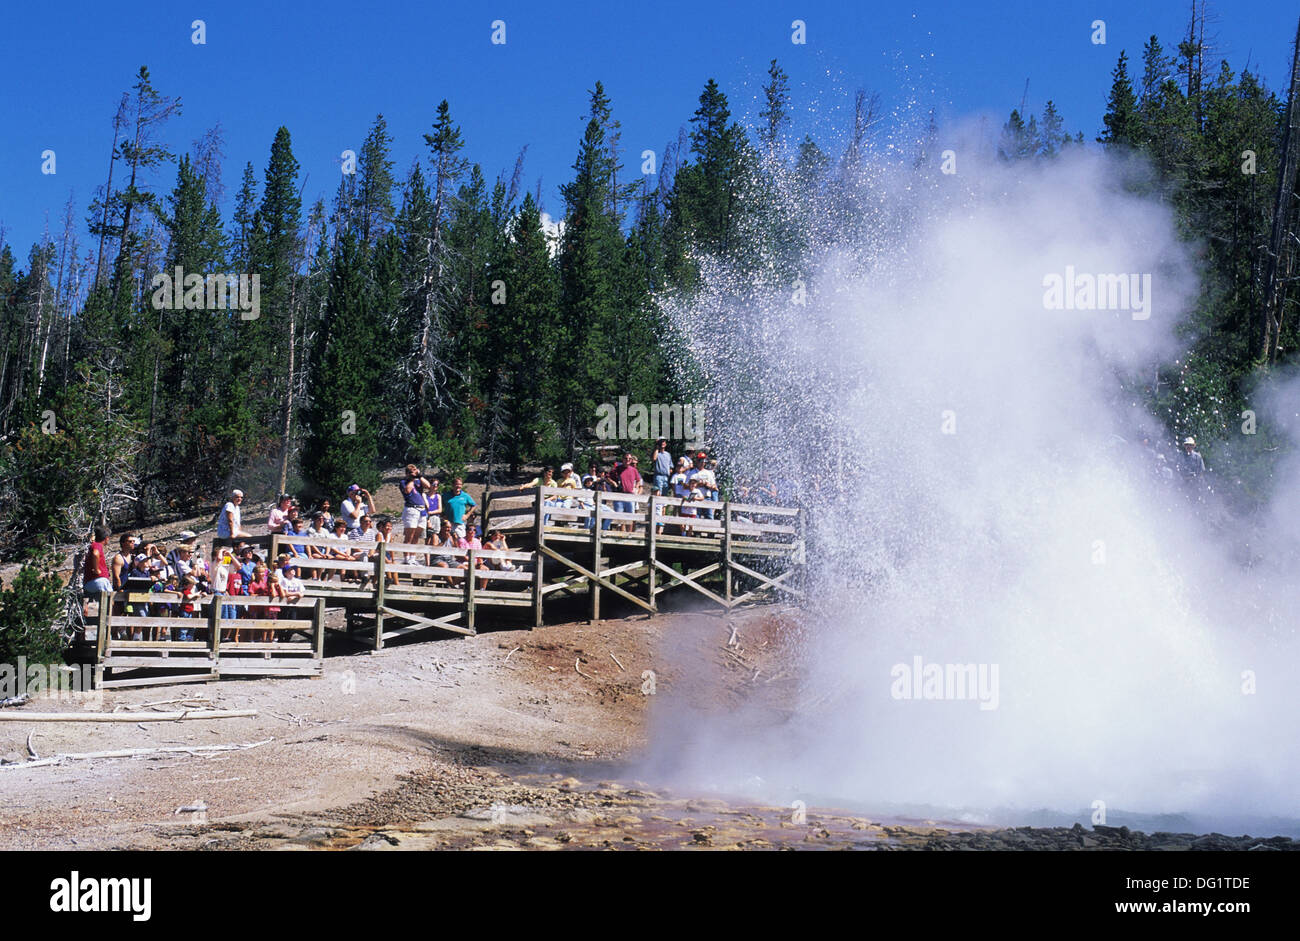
(415,508)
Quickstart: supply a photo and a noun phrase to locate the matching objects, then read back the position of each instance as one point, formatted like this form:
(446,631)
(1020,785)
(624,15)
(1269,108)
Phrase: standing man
(663,466)
(95,578)
(460,505)
(122,561)
(229,526)
(1192,465)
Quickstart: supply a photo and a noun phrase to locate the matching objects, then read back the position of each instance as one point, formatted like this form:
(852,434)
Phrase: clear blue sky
(325,68)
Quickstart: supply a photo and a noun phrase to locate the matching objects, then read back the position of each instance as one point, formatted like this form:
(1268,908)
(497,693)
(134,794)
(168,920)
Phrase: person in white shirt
(229,526)
(356,505)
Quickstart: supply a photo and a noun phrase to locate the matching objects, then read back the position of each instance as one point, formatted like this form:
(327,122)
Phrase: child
(264,585)
(688,511)
(383,537)
(189,605)
(291,584)
(234,586)
(164,582)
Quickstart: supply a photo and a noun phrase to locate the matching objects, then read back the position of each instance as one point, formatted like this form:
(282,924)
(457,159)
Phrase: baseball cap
(354,488)
(565,467)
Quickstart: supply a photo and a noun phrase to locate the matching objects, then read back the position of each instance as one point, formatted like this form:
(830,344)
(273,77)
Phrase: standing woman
(279,514)
(432,508)
(414,506)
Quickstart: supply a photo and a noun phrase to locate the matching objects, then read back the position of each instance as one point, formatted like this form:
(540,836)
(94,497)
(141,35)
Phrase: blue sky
(324,69)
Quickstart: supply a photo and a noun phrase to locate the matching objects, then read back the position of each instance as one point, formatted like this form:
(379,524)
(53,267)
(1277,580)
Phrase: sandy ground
(506,740)
(439,711)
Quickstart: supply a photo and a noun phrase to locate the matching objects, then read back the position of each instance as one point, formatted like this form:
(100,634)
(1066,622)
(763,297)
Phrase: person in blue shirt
(460,505)
(663,466)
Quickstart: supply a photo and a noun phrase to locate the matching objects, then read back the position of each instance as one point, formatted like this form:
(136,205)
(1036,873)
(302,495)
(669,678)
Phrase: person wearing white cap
(1193,463)
(568,479)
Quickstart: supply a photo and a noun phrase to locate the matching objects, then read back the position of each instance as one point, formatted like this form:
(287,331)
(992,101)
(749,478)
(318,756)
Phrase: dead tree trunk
(1281,250)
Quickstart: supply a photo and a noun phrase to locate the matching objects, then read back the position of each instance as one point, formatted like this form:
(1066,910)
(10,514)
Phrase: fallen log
(134,753)
(126,716)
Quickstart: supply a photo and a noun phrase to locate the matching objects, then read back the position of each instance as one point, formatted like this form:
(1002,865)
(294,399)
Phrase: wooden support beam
(593,588)
(767,583)
(318,626)
(689,579)
(380,578)
(102,630)
(214,627)
(445,622)
(726,552)
(539,565)
(651,540)
(593,576)
(469,589)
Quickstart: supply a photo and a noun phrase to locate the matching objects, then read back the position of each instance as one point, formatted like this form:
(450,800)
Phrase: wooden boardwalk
(564,544)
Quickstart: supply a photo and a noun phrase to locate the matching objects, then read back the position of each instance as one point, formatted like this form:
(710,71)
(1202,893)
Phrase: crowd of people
(186,578)
(690,478)
(430,516)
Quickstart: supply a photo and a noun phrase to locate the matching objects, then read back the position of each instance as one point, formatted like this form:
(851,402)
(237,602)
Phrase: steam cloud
(1120,680)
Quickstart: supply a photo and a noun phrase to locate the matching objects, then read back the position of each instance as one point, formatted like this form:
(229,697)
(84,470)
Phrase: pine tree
(1051,135)
(776,109)
(374,191)
(583,372)
(270,341)
(432,371)
(1123,127)
(342,436)
(705,209)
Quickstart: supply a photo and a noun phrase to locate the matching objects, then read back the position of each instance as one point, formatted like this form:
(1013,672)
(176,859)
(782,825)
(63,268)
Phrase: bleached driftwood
(134,753)
(126,716)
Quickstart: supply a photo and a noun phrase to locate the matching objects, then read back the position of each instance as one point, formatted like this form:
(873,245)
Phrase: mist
(969,453)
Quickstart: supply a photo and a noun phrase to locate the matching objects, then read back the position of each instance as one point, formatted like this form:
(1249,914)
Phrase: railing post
(650,542)
(594,590)
(539,540)
(318,626)
(469,588)
(380,578)
(726,552)
(214,630)
(103,628)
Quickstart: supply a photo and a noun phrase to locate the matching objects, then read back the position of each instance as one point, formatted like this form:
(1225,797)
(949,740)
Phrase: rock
(276,831)
(315,836)
(377,841)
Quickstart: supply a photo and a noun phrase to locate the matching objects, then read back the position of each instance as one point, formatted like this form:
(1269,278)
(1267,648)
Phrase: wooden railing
(133,633)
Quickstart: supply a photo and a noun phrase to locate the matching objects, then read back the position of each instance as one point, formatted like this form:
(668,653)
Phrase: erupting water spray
(1010,613)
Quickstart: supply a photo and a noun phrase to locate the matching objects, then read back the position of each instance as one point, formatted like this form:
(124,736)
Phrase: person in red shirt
(96,578)
(629,481)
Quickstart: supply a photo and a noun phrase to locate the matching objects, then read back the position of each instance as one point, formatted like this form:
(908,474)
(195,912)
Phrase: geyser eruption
(1012,611)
